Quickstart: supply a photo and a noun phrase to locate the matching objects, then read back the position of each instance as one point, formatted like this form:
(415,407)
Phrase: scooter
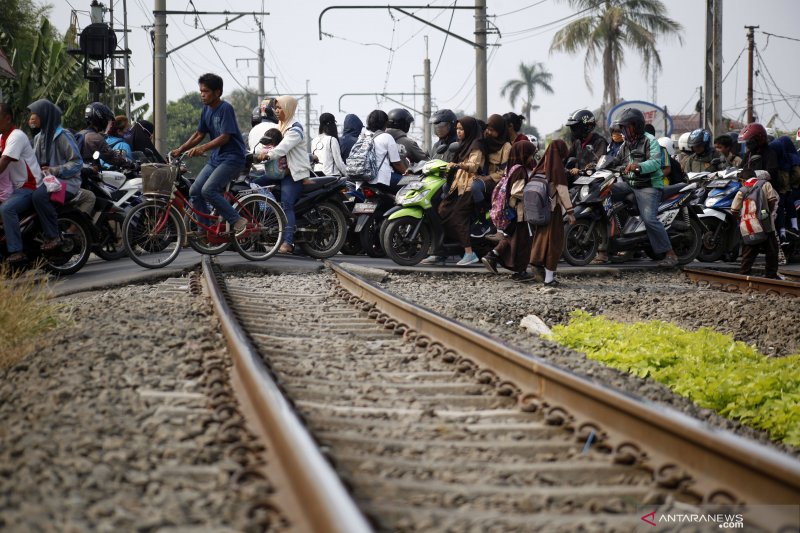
(604,204)
(413,228)
(721,235)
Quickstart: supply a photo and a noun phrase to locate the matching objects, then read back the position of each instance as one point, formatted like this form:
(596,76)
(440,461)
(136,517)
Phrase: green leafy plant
(710,368)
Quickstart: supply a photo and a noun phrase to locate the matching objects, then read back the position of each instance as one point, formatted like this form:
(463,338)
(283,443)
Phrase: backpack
(500,213)
(756,220)
(536,201)
(362,163)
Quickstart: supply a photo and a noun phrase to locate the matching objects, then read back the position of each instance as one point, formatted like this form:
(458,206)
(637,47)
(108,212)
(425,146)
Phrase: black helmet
(255,117)
(400,118)
(98,116)
(631,121)
(698,137)
(444,115)
(582,123)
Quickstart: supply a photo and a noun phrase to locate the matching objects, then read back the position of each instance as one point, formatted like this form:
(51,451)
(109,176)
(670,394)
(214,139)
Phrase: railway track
(432,426)
(730,282)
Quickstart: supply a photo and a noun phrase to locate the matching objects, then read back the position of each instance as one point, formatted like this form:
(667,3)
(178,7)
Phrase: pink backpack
(500,212)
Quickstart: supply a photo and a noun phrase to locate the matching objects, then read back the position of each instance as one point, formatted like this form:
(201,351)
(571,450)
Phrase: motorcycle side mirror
(96,155)
(265,140)
(441,149)
(637,155)
(454,147)
(571,163)
(715,161)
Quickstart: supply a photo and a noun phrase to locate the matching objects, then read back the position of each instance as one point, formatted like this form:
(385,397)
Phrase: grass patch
(710,368)
(25,313)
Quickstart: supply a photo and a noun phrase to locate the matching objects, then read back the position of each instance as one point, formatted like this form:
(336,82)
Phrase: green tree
(531,78)
(607,28)
(243,103)
(183,117)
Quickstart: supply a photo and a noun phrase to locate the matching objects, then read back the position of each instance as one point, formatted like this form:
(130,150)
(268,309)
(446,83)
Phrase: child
(274,168)
(757,217)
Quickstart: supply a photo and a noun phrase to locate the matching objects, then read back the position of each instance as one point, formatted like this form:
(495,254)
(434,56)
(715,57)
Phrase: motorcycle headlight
(584,193)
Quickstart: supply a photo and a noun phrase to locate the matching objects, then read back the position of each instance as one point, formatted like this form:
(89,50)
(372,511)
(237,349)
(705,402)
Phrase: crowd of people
(479,155)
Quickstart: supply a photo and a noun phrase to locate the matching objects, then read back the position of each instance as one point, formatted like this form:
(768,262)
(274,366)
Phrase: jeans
(209,187)
(290,192)
(648,200)
(478,191)
(20,201)
(48,217)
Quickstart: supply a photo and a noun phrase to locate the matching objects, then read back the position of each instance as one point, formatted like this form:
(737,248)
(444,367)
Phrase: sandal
(599,260)
(286,248)
(17,257)
(50,244)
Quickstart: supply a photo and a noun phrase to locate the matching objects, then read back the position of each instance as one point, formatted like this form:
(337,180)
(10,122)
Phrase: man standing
(218,121)
(19,160)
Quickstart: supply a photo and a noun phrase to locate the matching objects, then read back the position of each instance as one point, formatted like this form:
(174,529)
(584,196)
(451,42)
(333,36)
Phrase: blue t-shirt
(217,121)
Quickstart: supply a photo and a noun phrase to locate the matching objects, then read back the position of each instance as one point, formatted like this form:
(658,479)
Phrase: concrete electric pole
(751,44)
(426,103)
(160,74)
(712,105)
(481,105)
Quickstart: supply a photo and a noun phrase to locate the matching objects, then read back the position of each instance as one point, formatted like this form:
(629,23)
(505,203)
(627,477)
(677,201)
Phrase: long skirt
(456,214)
(548,242)
(514,251)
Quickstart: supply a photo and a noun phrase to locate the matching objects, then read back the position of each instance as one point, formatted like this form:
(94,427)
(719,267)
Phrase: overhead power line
(779,36)
(521,9)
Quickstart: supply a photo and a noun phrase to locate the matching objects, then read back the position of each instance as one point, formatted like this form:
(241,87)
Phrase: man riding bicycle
(218,120)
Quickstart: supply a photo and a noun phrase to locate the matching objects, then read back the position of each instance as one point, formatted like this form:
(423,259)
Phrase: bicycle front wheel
(266,223)
(153,234)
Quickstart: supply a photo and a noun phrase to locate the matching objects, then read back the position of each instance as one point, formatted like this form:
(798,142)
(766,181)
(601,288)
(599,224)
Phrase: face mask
(35,131)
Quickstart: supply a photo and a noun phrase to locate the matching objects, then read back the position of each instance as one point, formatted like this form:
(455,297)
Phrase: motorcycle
(321,215)
(602,205)
(413,228)
(76,240)
(721,235)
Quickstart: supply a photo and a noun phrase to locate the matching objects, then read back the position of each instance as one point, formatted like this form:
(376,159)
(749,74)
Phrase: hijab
(552,164)
(50,118)
(520,153)
(495,144)
(289,106)
(327,125)
(473,139)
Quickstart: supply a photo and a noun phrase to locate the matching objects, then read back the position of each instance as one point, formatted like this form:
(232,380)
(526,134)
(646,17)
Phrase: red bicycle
(155,230)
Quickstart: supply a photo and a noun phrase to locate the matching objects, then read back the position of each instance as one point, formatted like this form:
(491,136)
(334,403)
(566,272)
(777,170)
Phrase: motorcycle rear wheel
(400,248)
(370,239)
(75,248)
(580,246)
(709,254)
(688,248)
(330,226)
(113,247)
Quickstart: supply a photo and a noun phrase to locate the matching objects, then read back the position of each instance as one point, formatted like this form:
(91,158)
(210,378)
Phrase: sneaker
(434,260)
(490,262)
(240,226)
(554,284)
(523,277)
(17,257)
(781,256)
(468,259)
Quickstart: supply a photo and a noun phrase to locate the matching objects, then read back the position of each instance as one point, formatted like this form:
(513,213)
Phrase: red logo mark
(650,518)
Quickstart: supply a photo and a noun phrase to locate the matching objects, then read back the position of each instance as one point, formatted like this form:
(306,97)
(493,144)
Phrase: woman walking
(514,250)
(548,241)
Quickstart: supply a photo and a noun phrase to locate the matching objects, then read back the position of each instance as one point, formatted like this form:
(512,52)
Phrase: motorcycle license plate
(364,207)
(667,217)
(718,183)
(584,180)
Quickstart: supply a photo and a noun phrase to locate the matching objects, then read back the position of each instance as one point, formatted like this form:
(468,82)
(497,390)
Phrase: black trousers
(770,248)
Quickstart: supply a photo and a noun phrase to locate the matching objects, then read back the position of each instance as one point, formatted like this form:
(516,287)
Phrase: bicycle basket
(158,179)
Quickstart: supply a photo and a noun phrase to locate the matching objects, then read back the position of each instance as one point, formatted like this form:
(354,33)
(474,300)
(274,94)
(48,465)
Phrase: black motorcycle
(70,255)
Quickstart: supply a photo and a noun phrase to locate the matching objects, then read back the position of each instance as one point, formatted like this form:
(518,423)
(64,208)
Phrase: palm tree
(604,31)
(531,77)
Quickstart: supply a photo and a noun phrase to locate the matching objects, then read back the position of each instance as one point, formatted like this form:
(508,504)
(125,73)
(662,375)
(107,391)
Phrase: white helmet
(534,140)
(667,143)
(683,142)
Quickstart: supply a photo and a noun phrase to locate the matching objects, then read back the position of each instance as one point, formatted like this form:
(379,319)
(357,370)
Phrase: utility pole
(308,118)
(701,107)
(751,43)
(260,62)
(160,74)
(426,103)
(712,105)
(125,63)
(481,105)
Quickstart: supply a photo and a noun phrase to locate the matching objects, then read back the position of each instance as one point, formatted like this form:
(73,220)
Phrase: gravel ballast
(109,427)
(496,305)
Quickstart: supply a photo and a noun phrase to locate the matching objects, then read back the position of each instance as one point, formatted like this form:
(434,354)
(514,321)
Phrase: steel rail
(327,505)
(730,282)
(723,467)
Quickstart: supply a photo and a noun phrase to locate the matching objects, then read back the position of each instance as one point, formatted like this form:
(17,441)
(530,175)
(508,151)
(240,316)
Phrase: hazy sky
(378,51)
